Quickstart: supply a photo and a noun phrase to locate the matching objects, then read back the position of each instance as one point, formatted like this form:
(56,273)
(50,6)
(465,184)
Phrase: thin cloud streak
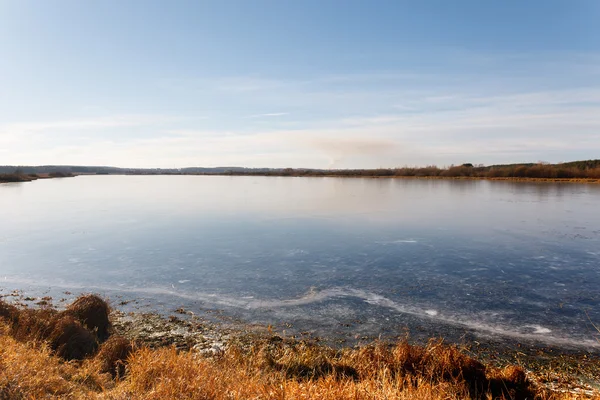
(278,114)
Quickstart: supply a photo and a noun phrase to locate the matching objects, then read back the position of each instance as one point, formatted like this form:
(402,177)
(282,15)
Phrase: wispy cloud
(346,120)
(279,114)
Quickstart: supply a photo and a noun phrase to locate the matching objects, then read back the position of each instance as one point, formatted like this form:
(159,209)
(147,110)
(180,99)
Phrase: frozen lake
(333,256)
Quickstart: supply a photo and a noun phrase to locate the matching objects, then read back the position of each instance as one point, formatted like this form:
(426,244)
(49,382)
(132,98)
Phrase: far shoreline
(23,178)
(583,172)
(451,178)
(448,178)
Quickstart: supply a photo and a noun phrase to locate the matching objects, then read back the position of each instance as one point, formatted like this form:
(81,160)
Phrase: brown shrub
(92,312)
(300,362)
(442,362)
(515,375)
(511,383)
(8,312)
(65,331)
(113,354)
(13,178)
(439,363)
(32,372)
(33,324)
(448,363)
(70,340)
(455,171)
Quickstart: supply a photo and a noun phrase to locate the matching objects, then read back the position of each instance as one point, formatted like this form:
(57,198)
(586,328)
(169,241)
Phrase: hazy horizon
(312,84)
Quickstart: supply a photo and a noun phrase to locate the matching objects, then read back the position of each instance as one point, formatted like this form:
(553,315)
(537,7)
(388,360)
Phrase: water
(337,257)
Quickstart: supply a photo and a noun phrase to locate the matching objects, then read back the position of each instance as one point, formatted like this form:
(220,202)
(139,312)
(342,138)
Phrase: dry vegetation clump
(435,363)
(92,311)
(15,177)
(511,381)
(112,355)
(33,365)
(72,334)
(8,311)
(70,340)
(305,362)
(31,371)
(33,324)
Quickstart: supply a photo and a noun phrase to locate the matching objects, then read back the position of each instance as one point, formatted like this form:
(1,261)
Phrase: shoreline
(451,178)
(342,332)
(18,180)
(454,178)
(552,367)
(29,178)
(558,369)
(555,369)
(505,179)
(584,181)
(577,373)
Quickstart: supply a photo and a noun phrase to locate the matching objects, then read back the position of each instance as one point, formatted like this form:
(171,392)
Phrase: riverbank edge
(30,178)
(503,179)
(450,178)
(188,332)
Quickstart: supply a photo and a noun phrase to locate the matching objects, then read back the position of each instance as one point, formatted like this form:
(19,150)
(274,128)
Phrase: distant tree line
(15,178)
(588,169)
(573,170)
(19,174)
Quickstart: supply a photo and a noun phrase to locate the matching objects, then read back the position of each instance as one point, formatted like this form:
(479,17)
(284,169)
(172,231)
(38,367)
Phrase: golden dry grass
(29,369)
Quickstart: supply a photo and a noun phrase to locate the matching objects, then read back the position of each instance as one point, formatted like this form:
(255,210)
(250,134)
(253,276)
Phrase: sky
(308,83)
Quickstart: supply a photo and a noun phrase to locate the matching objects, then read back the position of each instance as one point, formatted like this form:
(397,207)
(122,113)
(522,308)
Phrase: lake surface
(339,257)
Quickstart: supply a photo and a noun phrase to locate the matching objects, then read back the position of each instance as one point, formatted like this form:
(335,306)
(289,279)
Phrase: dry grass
(92,311)
(31,371)
(266,370)
(72,334)
(70,340)
(32,325)
(112,356)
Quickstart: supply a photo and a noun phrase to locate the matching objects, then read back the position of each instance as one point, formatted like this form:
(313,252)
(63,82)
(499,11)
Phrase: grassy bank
(7,178)
(580,171)
(82,352)
(20,177)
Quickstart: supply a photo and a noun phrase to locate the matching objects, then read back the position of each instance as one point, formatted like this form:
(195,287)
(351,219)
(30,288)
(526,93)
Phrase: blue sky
(298,83)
